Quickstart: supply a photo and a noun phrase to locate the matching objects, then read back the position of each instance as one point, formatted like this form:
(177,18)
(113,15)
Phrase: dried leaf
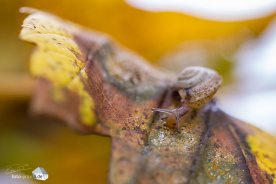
(97,86)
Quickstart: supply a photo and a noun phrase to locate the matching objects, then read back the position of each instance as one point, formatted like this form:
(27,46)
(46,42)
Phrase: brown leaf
(96,86)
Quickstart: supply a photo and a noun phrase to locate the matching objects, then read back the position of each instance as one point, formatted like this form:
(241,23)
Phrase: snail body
(196,87)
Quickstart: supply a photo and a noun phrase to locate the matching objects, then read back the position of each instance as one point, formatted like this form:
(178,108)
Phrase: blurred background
(236,39)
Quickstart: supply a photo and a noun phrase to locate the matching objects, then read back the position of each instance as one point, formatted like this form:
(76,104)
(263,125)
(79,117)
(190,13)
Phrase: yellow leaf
(58,58)
(263,147)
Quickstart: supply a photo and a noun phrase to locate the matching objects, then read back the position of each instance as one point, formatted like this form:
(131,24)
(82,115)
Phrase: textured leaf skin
(96,86)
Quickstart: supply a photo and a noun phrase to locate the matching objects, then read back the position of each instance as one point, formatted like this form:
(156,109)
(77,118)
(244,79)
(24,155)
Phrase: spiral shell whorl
(197,85)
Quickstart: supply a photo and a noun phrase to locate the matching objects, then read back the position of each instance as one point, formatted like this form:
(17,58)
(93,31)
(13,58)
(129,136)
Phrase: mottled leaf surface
(97,86)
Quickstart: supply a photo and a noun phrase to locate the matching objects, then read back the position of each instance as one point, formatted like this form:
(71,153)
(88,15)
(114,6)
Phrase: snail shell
(197,85)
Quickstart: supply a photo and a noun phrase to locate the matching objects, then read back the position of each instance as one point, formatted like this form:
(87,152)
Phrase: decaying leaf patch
(96,86)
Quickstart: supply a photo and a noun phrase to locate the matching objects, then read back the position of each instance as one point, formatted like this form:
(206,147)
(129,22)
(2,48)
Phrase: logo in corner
(40,174)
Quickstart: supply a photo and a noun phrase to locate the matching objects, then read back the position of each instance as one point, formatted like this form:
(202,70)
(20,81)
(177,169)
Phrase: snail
(196,87)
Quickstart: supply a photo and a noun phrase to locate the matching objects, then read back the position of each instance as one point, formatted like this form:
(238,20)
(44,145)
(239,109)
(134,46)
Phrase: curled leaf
(97,86)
